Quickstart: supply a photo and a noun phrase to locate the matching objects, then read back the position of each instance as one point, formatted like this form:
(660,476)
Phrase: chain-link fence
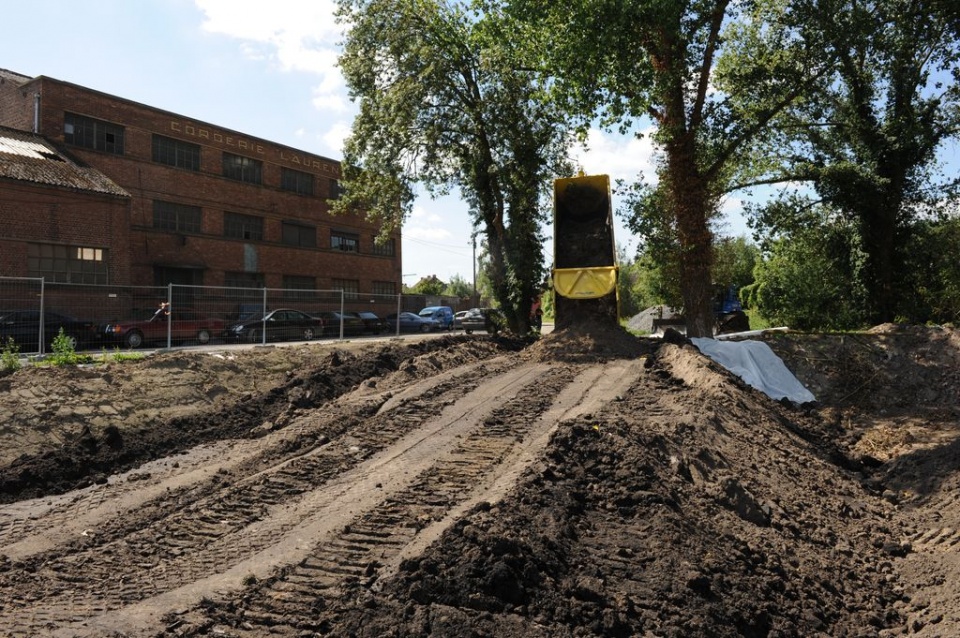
(33,312)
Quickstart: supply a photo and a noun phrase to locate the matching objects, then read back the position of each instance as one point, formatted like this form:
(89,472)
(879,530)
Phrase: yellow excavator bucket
(585,283)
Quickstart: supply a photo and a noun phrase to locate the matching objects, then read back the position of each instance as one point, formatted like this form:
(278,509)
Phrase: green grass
(758,321)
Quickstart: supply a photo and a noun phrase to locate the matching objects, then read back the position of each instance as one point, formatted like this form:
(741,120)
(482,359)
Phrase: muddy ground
(586,484)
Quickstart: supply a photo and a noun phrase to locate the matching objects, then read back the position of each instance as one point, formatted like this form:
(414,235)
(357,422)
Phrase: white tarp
(758,366)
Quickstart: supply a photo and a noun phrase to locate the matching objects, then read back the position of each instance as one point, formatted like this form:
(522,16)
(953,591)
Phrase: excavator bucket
(585,260)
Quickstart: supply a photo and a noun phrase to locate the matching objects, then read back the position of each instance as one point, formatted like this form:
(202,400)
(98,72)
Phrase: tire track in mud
(394,473)
(31,527)
(371,547)
(205,524)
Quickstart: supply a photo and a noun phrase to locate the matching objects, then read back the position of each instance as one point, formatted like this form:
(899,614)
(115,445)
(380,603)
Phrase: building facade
(206,205)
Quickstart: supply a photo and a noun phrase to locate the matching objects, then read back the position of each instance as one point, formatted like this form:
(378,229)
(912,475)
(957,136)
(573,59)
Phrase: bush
(10,356)
(64,350)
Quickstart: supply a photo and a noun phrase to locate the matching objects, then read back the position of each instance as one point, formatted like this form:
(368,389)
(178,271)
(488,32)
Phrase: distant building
(100,189)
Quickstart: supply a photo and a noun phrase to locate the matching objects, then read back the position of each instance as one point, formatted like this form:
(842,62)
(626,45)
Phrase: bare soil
(589,483)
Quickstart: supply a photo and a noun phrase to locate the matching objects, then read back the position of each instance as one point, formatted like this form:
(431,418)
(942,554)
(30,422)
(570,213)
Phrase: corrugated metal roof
(29,157)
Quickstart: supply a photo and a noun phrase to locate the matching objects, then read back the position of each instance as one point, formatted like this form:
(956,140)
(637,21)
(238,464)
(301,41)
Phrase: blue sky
(262,67)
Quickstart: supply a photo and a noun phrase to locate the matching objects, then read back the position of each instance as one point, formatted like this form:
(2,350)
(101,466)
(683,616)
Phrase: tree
(624,60)
(868,138)
(429,286)
(441,105)
(459,287)
(809,281)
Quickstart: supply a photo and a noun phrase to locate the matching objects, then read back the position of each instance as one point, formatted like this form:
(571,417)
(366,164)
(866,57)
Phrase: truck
(585,269)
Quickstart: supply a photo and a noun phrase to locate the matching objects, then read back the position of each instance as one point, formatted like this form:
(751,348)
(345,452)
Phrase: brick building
(202,204)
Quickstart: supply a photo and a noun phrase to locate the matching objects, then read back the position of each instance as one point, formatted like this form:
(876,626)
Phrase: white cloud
(327,100)
(295,35)
(618,156)
(335,137)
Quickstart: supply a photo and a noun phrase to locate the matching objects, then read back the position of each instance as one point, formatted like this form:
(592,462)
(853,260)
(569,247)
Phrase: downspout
(36,112)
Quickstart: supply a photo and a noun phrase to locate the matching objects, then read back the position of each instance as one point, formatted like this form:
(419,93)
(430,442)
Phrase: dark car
(179,324)
(458,319)
(373,324)
(489,319)
(281,324)
(410,322)
(352,324)
(23,326)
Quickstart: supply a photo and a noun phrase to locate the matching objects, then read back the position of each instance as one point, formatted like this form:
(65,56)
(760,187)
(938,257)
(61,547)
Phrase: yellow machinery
(584,252)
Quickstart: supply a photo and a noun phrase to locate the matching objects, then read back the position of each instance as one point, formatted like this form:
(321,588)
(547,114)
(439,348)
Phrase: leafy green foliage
(64,350)
(866,138)
(429,286)
(10,356)
(809,281)
(931,290)
(624,62)
(459,287)
(444,104)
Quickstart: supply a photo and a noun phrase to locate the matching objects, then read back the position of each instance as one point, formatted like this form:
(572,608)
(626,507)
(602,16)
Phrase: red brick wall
(16,103)
(43,214)
(147,181)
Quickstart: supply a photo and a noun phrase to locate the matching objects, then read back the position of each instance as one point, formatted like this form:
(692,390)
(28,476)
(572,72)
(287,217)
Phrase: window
(386,249)
(240,226)
(298,287)
(178,218)
(242,169)
(67,264)
(299,235)
(80,130)
(350,287)
(242,280)
(167,150)
(384,288)
(297,181)
(346,242)
(335,189)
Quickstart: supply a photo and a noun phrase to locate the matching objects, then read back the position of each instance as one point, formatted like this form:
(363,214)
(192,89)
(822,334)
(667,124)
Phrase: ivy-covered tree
(442,105)
(627,61)
(867,139)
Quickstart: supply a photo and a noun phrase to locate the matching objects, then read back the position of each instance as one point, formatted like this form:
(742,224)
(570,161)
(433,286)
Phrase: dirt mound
(590,483)
(689,508)
(73,427)
(589,342)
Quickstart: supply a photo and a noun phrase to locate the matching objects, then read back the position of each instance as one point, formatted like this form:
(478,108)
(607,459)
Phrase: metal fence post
(341,313)
(263,320)
(43,290)
(169,316)
(398,313)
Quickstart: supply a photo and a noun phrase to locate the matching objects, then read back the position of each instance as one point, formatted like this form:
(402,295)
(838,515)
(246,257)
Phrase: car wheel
(309,334)
(133,339)
(425,328)
(254,336)
(469,332)
(203,337)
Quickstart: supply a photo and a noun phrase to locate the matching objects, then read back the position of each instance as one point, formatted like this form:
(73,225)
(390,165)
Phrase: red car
(181,324)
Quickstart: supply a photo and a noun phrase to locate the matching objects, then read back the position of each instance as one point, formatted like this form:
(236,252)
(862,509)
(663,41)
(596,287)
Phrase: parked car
(458,319)
(280,325)
(372,323)
(24,327)
(352,324)
(410,322)
(443,315)
(488,319)
(181,324)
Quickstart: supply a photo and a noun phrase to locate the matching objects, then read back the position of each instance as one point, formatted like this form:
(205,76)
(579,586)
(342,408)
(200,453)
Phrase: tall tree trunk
(690,199)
